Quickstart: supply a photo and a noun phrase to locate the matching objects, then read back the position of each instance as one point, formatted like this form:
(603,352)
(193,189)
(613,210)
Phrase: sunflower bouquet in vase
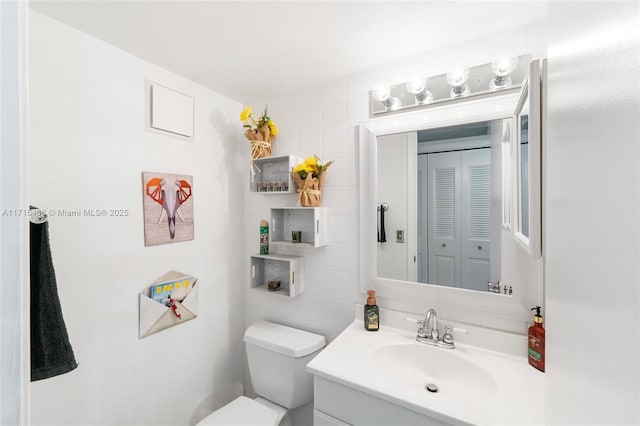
(260,132)
(309,177)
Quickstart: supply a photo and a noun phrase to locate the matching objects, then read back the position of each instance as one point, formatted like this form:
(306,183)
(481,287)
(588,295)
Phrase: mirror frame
(531,94)
(507,178)
(494,106)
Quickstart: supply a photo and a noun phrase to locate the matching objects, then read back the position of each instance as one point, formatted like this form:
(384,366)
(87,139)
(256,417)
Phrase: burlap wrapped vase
(260,140)
(309,189)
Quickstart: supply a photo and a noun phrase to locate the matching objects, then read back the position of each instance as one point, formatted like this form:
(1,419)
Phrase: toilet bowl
(244,411)
(277,356)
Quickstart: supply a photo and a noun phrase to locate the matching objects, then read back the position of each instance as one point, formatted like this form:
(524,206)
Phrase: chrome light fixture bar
(501,75)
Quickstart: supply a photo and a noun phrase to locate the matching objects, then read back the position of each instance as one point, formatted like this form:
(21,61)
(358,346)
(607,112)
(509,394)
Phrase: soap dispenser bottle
(536,341)
(371,313)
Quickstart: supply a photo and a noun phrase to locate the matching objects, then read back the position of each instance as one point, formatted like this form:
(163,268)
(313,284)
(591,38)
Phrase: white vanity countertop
(508,391)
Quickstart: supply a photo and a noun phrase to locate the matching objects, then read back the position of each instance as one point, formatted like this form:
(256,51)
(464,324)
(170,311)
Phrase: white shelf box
(312,221)
(273,175)
(289,270)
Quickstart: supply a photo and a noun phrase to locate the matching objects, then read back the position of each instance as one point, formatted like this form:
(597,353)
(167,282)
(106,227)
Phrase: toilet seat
(242,411)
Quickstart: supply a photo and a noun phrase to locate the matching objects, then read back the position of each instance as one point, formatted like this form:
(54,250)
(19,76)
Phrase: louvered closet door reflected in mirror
(458,205)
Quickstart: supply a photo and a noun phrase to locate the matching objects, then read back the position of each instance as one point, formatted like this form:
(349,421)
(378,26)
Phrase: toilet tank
(277,356)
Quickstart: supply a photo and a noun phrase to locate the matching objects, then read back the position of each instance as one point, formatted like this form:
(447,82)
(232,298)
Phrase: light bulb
(458,76)
(457,79)
(416,85)
(381,92)
(418,88)
(501,68)
(504,66)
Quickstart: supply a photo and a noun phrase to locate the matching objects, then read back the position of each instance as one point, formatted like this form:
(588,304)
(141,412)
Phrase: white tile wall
(321,119)
(334,106)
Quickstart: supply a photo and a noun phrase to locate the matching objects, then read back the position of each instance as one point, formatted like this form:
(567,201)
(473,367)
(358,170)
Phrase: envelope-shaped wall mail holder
(180,303)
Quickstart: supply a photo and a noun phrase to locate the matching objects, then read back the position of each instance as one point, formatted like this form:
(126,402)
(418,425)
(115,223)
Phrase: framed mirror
(527,140)
(495,108)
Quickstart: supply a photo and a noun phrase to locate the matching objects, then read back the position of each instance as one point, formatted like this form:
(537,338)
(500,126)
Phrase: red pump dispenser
(536,341)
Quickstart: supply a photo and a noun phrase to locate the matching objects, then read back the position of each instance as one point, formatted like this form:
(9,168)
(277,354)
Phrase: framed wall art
(168,208)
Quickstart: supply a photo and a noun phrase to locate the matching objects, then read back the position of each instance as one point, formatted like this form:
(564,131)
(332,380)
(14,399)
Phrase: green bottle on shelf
(264,237)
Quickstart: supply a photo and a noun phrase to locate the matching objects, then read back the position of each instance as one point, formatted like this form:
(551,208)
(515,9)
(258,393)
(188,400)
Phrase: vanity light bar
(500,76)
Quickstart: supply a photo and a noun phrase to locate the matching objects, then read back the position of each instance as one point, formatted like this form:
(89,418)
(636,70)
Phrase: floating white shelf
(273,175)
(287,269)
(312,221)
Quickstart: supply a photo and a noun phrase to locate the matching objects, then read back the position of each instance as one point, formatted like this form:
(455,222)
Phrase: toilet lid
(242,411)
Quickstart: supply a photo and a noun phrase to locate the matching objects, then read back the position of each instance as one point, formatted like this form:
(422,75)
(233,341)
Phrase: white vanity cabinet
(381,378)
(312,221)
(337,404)
(323,419)
(289,270)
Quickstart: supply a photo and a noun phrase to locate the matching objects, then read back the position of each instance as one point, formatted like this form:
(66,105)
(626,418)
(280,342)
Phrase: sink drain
(431,387)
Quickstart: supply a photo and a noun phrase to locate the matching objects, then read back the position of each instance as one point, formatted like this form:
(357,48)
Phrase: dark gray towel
(382,234)
(51,352)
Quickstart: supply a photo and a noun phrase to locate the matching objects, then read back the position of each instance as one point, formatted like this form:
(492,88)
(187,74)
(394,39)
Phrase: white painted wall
(88,150)
(592,235)
(14,232)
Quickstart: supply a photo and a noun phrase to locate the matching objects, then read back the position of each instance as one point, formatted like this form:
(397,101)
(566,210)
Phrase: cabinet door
(527,132)
(323,419)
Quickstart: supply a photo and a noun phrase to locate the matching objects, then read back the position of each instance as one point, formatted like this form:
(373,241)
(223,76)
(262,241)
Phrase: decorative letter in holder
(172,299)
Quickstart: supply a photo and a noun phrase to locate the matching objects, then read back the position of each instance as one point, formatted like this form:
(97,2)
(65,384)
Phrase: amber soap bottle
(371,313)
(536,341)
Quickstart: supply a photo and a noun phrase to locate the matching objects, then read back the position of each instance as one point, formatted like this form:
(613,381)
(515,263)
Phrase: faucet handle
(447,337)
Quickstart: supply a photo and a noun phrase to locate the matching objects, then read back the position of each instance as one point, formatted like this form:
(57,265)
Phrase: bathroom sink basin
(420,364)
(475,384)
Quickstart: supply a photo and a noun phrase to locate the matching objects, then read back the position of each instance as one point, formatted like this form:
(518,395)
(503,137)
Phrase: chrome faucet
(431,324)
(428,332)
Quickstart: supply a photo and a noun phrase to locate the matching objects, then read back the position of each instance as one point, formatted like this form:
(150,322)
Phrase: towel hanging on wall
(51,352)
(382,234)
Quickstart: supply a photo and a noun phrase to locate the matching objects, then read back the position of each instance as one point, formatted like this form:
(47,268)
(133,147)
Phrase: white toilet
(277,357)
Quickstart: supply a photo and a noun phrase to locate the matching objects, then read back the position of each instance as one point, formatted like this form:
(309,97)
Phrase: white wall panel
(88,147)
(592,236)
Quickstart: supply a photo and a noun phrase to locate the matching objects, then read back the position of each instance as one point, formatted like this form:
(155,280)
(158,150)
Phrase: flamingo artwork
(171,196)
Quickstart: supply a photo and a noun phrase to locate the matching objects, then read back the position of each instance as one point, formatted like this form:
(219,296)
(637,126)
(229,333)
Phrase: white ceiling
(253,50)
